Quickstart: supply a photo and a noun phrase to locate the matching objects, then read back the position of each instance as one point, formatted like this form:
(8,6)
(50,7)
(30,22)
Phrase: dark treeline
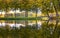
(45,31)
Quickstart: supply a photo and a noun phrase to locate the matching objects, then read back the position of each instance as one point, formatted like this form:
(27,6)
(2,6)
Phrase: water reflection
(18,23)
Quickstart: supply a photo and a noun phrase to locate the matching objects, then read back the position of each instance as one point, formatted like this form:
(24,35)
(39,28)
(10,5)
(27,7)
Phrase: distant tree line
(46,6)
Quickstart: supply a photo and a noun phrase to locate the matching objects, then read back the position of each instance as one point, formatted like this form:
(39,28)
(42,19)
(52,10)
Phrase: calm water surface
(18,23)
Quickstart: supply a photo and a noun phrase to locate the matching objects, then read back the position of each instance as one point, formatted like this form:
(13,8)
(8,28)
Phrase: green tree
(6,4)
(26,5)
(1,6)
(47,7)
(14,6)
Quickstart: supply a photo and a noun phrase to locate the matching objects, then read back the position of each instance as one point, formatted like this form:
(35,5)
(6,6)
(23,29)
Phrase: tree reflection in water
(43,30)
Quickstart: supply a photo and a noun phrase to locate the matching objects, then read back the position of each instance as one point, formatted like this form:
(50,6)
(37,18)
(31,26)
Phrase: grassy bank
(25,18)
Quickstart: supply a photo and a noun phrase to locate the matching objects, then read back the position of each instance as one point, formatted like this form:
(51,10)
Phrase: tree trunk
(15,24)
(26,22)
(1,13)
(36,12)
(48,22)
(36,9)
(55,8)
(36,24)
(15,12)
(26,13)
(6,12)
(55,28)
(47,14)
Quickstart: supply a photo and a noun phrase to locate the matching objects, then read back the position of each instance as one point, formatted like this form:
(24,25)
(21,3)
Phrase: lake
(18,23)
